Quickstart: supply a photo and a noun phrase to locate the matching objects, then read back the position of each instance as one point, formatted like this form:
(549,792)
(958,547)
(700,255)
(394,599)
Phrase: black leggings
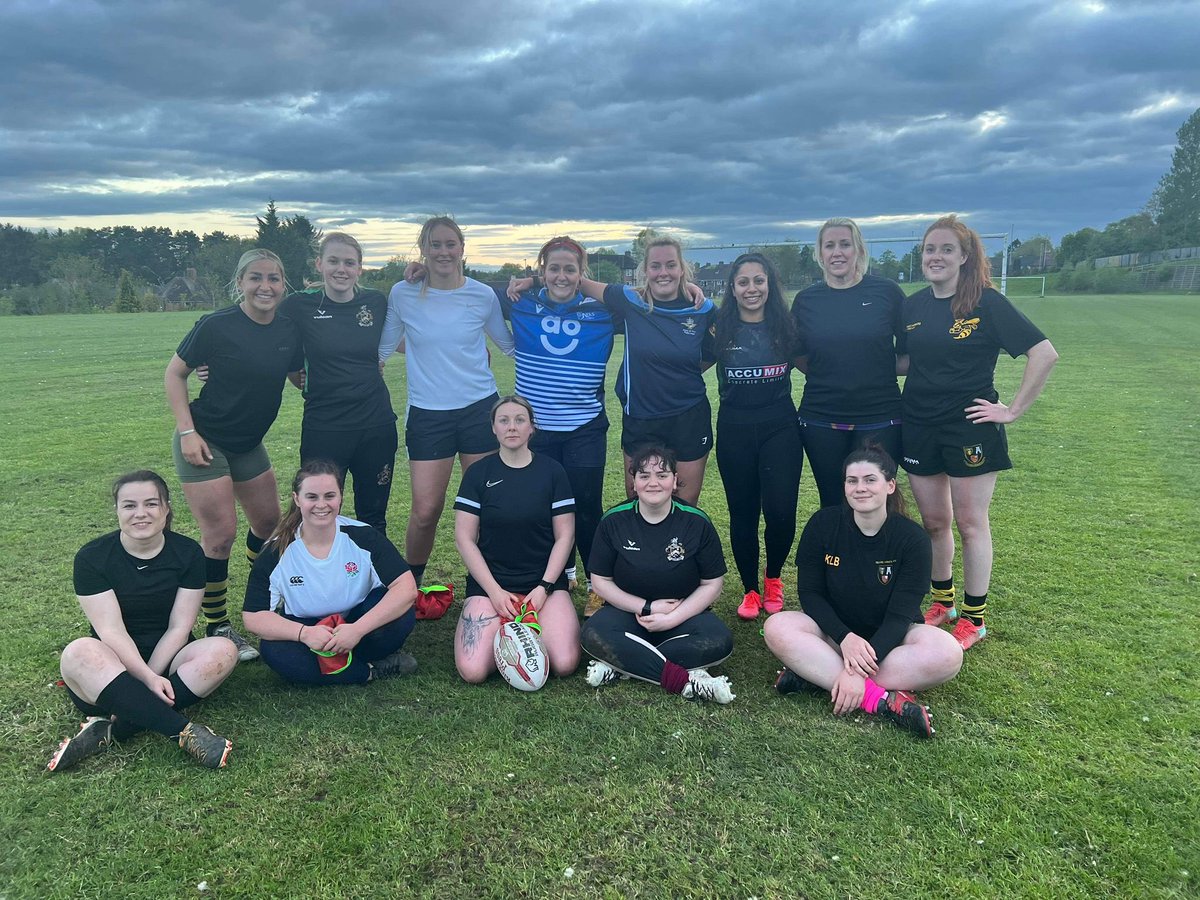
(588,487)
(615,637)
(369,455)
(827,449)
(760,466)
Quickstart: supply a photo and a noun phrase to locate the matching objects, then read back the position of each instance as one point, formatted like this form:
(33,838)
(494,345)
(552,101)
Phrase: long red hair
(976,272)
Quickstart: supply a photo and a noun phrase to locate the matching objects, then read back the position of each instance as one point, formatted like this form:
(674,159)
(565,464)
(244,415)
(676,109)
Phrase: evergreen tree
(127,300)
(293,239)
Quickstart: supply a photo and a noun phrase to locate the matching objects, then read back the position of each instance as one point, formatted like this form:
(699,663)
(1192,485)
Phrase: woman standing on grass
(514,526)
(861,570)
(759,453)
(330,597)
(140,588)
(249,351)
(954,440)
(442,321)
(348,416)
(852,344)
(657,563)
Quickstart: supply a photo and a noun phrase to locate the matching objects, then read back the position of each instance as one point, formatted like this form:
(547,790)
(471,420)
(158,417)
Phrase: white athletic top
(446,356)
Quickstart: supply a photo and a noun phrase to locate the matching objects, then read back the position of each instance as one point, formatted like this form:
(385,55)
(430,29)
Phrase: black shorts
(958,449)
(442,433)
(689,433)
(524,587)
(584,448)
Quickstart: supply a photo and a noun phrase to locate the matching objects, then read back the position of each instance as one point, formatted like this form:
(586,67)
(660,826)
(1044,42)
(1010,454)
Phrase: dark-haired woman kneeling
(862,570)
(331,597)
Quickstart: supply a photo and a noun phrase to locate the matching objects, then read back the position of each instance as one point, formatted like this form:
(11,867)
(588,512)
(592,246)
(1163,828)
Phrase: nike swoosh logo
(139,568)
(867,303)
(492,483)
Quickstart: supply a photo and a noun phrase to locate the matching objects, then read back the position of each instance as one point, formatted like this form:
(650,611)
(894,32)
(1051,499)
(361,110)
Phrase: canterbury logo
(296,579)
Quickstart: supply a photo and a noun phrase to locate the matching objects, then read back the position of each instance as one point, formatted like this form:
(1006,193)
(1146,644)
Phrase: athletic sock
(674,677)
(138,706)
(254,545)
(943,592)
(418,570)
(974,608)
(184,695)
(216,591)
(872,694)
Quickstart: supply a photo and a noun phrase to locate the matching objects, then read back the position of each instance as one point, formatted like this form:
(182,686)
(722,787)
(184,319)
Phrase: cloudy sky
(728,122)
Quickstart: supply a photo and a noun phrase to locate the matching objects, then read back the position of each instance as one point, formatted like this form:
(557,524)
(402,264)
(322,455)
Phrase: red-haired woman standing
(953,434)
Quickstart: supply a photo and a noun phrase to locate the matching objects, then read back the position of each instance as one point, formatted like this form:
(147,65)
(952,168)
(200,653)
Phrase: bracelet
(186,433)
(300,634)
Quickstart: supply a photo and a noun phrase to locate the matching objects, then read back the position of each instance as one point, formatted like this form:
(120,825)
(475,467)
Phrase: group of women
(332,599)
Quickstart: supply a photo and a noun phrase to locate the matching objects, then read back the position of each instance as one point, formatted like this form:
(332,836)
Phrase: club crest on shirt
(964,328)
(352,569)
(974,456)
(885,572)
(364,317)
(689,326)
(675,551)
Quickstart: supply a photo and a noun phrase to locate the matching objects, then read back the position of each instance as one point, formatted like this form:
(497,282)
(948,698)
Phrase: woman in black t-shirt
(514,526)
(759,453)
(348,415)
(140,588)
(657,563)
(861,570)
(954,439)
(852,342)
(245,353)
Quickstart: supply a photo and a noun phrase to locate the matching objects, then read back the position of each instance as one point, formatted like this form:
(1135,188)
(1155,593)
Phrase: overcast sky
(725,121)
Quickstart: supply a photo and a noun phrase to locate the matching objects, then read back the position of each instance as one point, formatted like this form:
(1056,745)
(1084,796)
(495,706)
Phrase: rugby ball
(520,657)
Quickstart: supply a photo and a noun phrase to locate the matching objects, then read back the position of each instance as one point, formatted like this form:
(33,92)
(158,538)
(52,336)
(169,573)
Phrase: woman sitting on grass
(514,526)
(140,588)
(330,597)
(862,570)
(658,566)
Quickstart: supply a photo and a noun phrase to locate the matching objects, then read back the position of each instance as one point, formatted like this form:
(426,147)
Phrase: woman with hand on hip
(247,352)
(327,587)
(140,588)
(514,526)
(759,453)
(861,570)
(443,321)
(852,345)
(954,438)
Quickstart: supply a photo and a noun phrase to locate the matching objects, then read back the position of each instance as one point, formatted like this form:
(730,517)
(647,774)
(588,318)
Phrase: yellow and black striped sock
(254,545)
(943,592)
(974,608)
(216,573)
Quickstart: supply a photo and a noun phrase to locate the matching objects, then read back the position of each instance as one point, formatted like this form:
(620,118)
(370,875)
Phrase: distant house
(185,292)
(625,262)
(712,278)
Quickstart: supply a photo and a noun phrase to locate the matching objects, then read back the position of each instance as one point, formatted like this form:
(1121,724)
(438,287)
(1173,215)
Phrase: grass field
(1065,763)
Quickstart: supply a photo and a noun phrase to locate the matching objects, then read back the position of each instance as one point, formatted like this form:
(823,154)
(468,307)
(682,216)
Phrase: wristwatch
(547,586)
(646,608)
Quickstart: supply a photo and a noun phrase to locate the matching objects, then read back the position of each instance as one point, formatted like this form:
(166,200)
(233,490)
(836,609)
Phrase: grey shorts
(238,466)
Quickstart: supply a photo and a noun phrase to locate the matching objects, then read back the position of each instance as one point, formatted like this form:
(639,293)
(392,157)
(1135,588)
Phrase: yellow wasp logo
(963,328)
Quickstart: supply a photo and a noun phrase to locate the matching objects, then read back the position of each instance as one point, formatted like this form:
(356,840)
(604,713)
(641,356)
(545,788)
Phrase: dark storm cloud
(735,121)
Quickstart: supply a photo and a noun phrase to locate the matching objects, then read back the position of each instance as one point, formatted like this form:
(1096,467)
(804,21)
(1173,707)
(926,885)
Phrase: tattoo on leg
(472,628)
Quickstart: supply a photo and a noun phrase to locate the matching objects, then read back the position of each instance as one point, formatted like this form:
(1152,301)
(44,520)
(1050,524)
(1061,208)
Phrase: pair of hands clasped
(508,605)
(342,639)
(858,664)
(664,615)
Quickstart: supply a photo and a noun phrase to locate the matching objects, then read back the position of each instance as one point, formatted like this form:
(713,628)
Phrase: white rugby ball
(520,657)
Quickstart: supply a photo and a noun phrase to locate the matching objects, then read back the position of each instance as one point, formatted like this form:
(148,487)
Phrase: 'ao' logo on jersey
(553,325)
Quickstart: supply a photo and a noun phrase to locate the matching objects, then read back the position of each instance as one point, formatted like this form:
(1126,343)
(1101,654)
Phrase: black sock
(137,705)
(254,545)
(418,570)
(974,608)
(123,730)
(216,573)
(184,696)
